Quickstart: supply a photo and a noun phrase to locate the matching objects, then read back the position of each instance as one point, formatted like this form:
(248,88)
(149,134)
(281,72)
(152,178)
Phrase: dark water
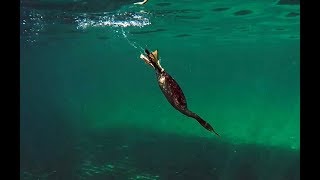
(91,109)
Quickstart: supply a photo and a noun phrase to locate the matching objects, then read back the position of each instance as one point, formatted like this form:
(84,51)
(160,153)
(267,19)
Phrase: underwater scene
(122,90)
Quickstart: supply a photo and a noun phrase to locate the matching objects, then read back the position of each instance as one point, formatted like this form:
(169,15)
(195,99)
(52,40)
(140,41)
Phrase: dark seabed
(91,109)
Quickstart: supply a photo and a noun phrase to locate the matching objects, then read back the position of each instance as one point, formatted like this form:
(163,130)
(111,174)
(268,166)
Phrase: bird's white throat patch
(162,79)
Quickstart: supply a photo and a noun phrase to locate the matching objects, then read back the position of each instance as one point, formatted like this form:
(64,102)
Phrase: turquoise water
(91,109)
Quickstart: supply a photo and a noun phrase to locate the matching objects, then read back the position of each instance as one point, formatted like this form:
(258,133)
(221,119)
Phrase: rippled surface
(254,20)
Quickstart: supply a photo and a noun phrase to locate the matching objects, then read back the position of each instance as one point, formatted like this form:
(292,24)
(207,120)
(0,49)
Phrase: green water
(236,61)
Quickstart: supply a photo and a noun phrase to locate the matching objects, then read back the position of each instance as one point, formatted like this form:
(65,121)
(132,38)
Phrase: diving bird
(171,89)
